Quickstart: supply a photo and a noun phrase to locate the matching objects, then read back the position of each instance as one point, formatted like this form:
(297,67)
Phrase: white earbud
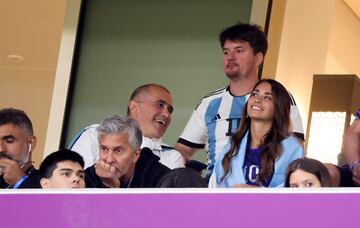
(22,163)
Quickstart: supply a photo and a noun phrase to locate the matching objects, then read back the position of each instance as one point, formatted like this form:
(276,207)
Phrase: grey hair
(118,124)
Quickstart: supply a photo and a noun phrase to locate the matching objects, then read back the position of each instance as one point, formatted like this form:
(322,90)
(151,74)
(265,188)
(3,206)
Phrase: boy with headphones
(17,141)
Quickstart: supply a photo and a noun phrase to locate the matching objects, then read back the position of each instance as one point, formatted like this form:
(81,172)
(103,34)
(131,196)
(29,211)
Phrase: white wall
(344,43)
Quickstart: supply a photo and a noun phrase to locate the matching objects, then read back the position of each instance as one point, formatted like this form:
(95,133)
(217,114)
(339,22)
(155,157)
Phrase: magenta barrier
(180,210)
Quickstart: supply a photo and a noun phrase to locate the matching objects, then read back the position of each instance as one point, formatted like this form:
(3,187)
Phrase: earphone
(27,157)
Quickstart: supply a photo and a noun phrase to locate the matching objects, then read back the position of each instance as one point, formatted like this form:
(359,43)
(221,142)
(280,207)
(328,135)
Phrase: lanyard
(18,183)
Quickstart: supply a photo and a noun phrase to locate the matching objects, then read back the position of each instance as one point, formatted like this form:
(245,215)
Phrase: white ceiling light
(15,58)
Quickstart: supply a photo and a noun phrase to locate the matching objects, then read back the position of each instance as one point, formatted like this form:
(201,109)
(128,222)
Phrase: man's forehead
(11,129)
(9,126)
(114,139)
(157,92)
(236,43)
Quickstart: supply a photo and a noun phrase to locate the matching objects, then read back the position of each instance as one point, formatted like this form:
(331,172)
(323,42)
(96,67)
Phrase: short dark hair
(49,164)
(182,178)
(252,34)
(141,89)
(312,166)
(16,117)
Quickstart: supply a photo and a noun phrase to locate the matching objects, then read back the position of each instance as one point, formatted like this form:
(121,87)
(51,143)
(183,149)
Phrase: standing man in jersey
(151,106)
(218,114)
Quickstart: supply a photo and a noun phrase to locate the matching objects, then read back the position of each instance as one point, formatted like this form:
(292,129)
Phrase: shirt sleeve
(194,134)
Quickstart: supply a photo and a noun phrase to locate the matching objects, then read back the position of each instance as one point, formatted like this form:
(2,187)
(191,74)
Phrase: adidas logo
(216,117)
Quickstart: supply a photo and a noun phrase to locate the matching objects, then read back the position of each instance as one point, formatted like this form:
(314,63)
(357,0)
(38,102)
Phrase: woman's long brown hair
(270,145)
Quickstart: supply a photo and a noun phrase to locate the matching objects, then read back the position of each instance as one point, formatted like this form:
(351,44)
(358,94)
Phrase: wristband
(353,166)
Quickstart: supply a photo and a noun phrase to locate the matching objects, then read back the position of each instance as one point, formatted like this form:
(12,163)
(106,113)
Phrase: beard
(232,74)
(232,70)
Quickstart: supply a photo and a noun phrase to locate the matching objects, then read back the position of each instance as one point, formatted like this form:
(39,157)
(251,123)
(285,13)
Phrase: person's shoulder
(147,157)
(32,181)
(224,150)
(90,169)
(292,99)
(167,148)
(292,142)
(92,128)
(148,164)
(291,139)
(215,93)
(84,135)
(147,152)
(90,172)
(91,179)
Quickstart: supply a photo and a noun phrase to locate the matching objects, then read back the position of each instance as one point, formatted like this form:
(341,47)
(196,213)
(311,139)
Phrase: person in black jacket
(122,163)
(17,142)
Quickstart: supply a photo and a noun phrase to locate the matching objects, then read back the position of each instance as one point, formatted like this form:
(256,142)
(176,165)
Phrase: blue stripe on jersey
(211,117)
(237,107)
(76,138)
(210,120)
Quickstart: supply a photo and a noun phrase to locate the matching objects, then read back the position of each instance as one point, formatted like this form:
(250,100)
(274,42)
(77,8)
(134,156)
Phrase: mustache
(231,64)
(3,154)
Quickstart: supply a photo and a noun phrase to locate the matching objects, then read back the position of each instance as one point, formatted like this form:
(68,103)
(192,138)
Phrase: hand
(109,175)
(10,170)
(356,176)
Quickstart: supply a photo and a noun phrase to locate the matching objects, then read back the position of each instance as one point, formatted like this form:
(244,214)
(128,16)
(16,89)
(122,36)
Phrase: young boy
(62,169)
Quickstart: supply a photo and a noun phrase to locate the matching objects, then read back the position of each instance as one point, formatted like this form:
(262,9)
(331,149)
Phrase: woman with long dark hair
(263,145)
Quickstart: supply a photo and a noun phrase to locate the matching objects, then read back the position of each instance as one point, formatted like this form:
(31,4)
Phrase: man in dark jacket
(122,163)
(17,142)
